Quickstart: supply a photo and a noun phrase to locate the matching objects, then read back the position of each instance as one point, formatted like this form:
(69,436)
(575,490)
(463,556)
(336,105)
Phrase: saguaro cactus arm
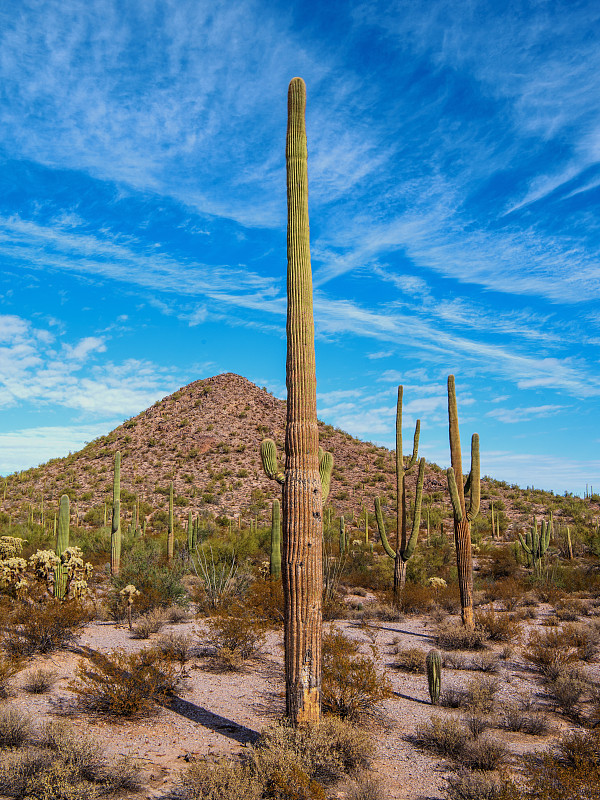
(474,480)
(381,528)
(412,542)
(325,468)
(268,455)
(454,496)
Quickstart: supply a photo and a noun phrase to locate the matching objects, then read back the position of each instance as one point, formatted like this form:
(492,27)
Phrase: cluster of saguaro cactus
(535,544)
(463,515)
(115,534)
(405,544)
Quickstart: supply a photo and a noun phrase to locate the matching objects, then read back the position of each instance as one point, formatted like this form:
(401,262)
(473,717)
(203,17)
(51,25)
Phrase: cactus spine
(307,473)
(433,663)
(62,542)
(115,536)
(171,530)
(463,516)
(405,544)
(275,565)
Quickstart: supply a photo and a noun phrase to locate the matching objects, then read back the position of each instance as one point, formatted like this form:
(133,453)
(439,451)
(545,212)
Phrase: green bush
(159,583)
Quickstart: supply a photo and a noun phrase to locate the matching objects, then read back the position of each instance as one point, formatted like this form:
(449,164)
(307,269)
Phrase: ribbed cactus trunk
(115,536)
(62,542)
(171,530)
(462,515)
(302,571)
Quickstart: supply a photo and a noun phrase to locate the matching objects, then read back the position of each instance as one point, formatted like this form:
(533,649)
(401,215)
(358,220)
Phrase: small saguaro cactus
(115,536)
(275,561)
(433,662)
(171,530)
(342,536)
(405,544)
(463,516)
(62,543)
(190,532)
(536,545)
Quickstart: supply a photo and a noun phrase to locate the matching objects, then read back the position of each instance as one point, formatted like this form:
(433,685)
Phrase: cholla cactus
(129,593)
(43,563)
(70,567)
(12,570)
(10,546)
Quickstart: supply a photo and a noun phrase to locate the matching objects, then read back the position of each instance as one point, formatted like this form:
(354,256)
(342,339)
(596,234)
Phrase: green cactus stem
(433,662)
(342,536)
(171,530)
(190,532)
(275,562)
(463,516)
(569,544)
(536,544)
(405,543)
(366,525)
(115,536)
(62,543)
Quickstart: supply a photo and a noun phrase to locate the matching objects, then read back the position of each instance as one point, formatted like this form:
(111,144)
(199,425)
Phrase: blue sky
(454,178)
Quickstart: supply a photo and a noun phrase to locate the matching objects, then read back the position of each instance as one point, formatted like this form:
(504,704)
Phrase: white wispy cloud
(513,415)
(28,447)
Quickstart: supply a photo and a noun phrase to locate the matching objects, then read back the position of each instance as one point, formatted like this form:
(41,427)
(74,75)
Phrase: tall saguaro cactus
(115,536)
(405,545)
(62,542)
(171,530)
(463,516)
(307,473)
(275,563)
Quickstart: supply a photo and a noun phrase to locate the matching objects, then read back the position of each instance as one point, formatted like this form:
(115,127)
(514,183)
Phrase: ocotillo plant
(275,562)
(536,545)
(405,545)
(303,481)
(62,542)
(115,537)
(171,530)
(463,516)
(433,662)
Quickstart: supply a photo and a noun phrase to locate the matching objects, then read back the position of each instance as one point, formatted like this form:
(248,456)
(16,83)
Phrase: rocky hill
(205,438)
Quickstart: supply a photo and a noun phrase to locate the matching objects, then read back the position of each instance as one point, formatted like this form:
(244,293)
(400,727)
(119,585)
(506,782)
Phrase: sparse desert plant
(235,636)
(206,779)
(367,787)
(572,771)
(484,754)
(481,693)
(15,727)
(442,735)
(477,724)
(351,686)
(159,583)
(550,651)
(516,718)
(148,623)
(454,636)
(39,681)
(567,689)
(8,668)
(500,627)
(468,785)
(122,684)
(416,599)
(42,627)
(176,647)
(410,659)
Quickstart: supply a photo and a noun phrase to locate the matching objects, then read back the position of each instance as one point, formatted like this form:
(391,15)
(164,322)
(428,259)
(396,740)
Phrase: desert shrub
(481,693)
(123,684)
(500,627)
(176,647)
(442,735)
(477,724)
(39,681)
(572,771)
(502,563)
(148,623)
(550,651)
(367,786)
(351,686)
(209,780)
(415,599)
(65,766)
(410,659)
(454,636)
(42,627)
(515,718)
(475,786)
(453,698)
(265,598)
(509,592)
(234,635)
(176,615)
(567,689)
(159,583)
(8,668)
(448,598)
(15,727)
(570,609)
(484,754)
